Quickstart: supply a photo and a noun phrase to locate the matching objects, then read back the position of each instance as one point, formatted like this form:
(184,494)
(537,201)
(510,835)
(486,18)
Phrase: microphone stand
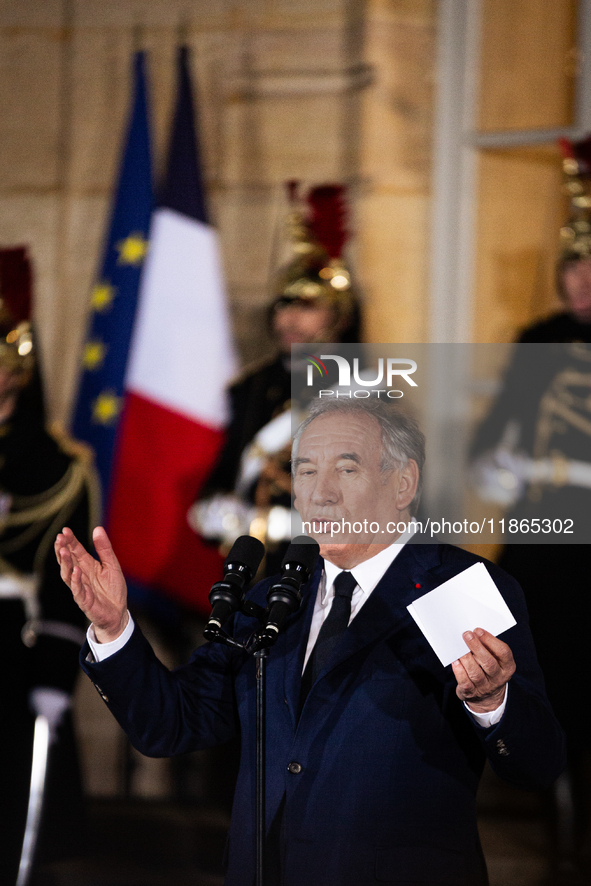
(258,645)
(261,723)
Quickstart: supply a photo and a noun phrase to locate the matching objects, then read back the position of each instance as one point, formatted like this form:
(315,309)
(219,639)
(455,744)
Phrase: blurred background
(441,118)
(442,121)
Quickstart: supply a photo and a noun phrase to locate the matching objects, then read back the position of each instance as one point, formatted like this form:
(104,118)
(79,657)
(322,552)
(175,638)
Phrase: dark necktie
(333,627)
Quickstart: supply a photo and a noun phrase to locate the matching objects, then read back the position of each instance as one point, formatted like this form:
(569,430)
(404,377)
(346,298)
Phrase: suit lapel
(409,576)
(385,612)
(296,636)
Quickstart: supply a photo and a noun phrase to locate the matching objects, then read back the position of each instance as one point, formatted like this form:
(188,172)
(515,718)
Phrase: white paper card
(466,601)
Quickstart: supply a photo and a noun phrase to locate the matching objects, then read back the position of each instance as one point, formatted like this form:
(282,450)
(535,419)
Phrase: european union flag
(115,295)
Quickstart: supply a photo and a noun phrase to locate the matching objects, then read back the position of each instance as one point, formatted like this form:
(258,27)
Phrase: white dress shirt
(366,574)
(101,651)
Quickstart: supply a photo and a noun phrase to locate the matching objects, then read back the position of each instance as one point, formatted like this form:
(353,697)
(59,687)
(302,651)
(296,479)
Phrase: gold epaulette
(44,514)
(74,448)
(82,453)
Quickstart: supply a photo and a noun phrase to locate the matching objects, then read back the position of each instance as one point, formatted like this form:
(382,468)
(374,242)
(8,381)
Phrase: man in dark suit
(374,749)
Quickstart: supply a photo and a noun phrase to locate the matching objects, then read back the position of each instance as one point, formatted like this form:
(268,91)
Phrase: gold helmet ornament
(16,338)
(575,235)
(316,273)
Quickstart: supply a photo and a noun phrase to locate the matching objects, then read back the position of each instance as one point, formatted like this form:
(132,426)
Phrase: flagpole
(54,359)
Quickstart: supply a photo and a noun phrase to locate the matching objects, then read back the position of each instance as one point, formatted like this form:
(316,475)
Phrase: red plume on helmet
(16,340)
(328,218)
(317,231)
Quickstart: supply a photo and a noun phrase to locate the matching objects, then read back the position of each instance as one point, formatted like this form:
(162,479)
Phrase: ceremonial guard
(42,487)
(250,488)
(533,454)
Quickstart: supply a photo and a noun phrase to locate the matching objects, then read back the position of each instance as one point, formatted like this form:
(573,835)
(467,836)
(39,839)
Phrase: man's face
(299,322)
(338,478)
(576,281)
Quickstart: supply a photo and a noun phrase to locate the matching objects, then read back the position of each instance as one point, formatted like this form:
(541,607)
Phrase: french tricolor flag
(181,360)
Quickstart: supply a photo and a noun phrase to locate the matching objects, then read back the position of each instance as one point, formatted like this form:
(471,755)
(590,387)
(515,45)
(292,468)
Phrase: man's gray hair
(402,438)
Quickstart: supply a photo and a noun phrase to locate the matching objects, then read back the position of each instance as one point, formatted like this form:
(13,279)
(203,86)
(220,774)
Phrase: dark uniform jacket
(256,398)
(42,488)
(547,390)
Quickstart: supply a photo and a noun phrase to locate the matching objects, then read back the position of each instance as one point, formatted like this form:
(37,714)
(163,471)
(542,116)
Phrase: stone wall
(319,90)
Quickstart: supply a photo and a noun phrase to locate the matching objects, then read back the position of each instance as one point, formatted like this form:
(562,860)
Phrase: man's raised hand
(98,586)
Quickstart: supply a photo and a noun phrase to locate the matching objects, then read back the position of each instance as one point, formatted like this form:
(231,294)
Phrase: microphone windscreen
(248,551)
(303,550)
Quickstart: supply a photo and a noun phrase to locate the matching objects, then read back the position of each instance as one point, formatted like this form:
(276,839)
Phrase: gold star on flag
(94,354)
(102,296)
(105,408)
(132,250)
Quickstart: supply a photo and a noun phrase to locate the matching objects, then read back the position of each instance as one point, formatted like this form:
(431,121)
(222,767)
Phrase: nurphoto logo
(388,370)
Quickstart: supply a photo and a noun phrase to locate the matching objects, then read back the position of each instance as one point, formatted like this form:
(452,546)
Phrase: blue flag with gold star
(115,295)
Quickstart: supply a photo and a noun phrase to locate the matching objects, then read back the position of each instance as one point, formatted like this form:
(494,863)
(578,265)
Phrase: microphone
(283,598)
(239,567)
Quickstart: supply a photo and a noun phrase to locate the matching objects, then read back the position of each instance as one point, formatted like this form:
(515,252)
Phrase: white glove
(499,477)
(223,516)
(50,703)
(272,438)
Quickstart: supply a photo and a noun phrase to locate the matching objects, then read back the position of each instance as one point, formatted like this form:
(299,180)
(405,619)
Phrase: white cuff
(104,650)
(489,718)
